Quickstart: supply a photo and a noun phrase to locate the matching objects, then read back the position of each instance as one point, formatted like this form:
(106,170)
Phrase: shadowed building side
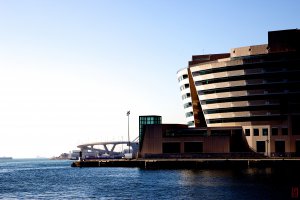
(179,141)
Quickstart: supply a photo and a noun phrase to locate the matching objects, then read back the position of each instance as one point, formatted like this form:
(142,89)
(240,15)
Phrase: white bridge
(94,150)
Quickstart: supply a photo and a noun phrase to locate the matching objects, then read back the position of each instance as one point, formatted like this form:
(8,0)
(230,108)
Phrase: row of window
(150,120)
(279,147)
(200,132)
(288,75)
(246,119)
(280,86)
(250,97)
(185,133)
(237,67)
(268,67)
(244,108)
(274,131)
(189,147)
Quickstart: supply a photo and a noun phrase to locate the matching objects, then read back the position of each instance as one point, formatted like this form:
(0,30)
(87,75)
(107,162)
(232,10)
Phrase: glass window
(279,147)
(256,132)
(260,146)
(171,147)
(284,131)
(247,132)
(264,131)
(187,105)
(182,87)
(189,114)
(187,95)
(193,147)
(182,77)
(274,131)
(191,123)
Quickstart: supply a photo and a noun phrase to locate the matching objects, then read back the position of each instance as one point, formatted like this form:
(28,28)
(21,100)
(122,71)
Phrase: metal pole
(267,147)
(128,113)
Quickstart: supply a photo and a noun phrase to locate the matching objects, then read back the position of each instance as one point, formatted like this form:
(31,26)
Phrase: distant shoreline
(6,158)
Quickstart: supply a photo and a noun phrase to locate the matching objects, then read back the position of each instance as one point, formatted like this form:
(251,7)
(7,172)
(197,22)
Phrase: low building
(177,140)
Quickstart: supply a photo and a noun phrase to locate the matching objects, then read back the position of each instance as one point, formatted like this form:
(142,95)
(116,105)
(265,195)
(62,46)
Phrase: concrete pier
(190,163)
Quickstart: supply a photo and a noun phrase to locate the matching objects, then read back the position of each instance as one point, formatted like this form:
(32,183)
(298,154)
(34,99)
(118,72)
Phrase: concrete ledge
(190,163)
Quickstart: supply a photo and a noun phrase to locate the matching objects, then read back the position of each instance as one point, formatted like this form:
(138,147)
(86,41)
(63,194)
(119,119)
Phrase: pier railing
(285,154)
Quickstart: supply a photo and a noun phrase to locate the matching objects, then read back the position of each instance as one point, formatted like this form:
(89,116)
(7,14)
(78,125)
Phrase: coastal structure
(241,108)
(179,141)
(255,87)
(242,104)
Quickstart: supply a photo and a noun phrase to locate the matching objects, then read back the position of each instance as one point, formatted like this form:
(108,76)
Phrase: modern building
(253,87)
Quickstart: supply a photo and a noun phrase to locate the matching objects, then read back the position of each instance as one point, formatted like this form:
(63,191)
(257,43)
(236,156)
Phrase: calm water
(46,179)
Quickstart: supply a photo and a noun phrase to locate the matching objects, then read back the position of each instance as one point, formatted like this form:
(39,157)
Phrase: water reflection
(55,180)
(249,183)
(258,171)
(206,178)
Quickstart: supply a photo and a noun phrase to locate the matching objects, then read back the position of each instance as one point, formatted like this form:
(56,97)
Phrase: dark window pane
(189,114)
(256,132)
(279,146)
(297,148)
(265,131)
(274,131)
(189,104)
(284,131)
(247,132)
(260,146)
(171,147)
(191,123)
(193,147)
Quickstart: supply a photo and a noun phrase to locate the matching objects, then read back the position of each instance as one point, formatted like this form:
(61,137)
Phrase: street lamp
(128,113)
(267,146)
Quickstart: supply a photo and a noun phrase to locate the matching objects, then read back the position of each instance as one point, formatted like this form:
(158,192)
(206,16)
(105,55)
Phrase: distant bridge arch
(90,147)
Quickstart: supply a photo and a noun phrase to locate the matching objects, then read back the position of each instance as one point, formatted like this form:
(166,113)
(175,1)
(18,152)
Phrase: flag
(128,112)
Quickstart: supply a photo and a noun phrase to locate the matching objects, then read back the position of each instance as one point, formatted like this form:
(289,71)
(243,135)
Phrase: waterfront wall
(192,163)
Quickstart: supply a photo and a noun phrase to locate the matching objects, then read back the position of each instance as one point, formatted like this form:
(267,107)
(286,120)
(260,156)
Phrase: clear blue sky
(69,70)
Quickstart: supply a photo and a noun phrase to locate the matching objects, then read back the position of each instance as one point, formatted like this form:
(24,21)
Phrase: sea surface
(50,179)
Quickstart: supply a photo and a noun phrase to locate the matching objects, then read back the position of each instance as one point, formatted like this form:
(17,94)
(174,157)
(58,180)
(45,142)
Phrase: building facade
(254,87)
(144,120)
(179,141)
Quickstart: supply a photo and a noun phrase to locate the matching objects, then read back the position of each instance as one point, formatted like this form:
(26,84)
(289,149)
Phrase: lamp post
(267,147)
(128,113)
